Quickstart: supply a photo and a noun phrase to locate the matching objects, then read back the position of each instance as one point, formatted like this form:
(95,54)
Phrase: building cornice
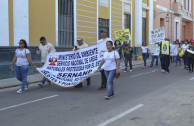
(171,11)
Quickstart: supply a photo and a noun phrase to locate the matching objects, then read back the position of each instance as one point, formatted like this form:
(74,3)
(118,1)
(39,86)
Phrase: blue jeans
(144,58)
(186,61)
(44,79)
(21,75)
(178,58)
(110,75)
(153,58)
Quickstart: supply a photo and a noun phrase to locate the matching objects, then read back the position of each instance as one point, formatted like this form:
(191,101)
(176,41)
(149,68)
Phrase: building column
(189,5)
(4,25)
(75,22)
(186,5)
(110,19)
(20,21)
(151,18)
(138,23)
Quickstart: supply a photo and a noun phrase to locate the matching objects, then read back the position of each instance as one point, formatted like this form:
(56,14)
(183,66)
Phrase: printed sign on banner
(158,35)
(123,35)
(67,69)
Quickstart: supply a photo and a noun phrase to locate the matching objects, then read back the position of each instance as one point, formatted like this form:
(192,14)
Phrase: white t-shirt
(109,58)
(21,57)
(103,40)
(144,49)
(184,47)
(44,49)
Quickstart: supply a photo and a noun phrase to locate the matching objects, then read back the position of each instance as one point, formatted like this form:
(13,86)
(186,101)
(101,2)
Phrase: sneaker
(107,97)
(130,70)
(151,65)
(163,71)
(27,85)
(19,91)
(144,67)
(125,71)
(41,85)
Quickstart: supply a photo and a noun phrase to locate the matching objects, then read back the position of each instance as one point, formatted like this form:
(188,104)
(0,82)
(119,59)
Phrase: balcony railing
(177,8)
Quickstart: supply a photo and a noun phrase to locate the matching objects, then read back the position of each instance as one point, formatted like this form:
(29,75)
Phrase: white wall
(20,20)
(4,23)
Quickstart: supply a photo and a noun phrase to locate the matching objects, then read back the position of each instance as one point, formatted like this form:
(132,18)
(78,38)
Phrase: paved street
(143,98)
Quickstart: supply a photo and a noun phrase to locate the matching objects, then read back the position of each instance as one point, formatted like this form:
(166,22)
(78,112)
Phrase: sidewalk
(13,82)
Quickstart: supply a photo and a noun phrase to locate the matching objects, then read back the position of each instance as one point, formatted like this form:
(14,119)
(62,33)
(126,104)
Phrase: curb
(16,85)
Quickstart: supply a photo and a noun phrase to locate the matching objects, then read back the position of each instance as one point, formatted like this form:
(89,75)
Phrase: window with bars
(66,23)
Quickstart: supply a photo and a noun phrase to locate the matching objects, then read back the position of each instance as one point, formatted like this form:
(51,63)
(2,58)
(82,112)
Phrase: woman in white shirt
(184,48)
(111,63)
(22,58)
(144,51)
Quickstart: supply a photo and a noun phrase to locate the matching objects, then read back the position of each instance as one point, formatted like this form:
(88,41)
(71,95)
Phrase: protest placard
(173,50)
(67,69)
(152,47)
(123,35)
(158,35)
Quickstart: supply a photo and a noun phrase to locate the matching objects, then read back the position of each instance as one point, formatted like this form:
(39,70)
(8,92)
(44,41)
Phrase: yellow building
(61,21)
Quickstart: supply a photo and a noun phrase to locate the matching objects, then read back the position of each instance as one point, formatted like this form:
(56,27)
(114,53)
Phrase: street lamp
(167,18)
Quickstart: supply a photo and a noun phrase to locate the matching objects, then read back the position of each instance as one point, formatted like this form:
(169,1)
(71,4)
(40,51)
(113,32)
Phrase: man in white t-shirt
(80,45)
(44,49)
(103,76)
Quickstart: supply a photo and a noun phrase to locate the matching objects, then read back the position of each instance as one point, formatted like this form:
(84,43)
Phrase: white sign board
(158,35)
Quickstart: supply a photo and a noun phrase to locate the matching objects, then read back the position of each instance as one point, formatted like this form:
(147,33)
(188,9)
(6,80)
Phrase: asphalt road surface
(142,98)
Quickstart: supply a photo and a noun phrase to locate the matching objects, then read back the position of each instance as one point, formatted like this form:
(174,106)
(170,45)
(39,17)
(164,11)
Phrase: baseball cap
(79,38)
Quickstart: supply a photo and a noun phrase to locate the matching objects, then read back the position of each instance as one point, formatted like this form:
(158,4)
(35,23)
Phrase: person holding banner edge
(111,63)
(103,76)
(80,45)
(44,49)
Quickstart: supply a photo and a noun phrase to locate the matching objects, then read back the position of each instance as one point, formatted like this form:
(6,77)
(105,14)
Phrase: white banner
(190,51)
(173,50)
(158,35)
(67,69)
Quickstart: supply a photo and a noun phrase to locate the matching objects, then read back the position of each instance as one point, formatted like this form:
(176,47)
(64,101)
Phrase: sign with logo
(165,47)
(123,35)
(67,69)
